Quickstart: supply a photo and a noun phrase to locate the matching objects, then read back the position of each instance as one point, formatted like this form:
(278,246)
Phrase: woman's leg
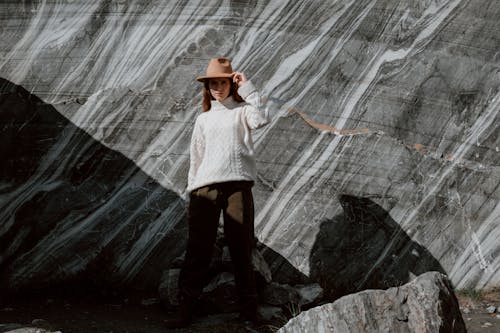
(239,232)
(203,220)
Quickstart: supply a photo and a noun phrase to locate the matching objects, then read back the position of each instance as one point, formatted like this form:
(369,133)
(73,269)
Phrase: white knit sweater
(221,145)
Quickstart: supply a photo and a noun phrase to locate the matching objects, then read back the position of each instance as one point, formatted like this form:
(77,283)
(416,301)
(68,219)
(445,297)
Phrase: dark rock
(272,313)
(280,294)
(10,327)
(261,267)
(168,289)
(309,294)
(282,271)
(41,323)
(100,205)
(150,301)
(16,328)
(219,296)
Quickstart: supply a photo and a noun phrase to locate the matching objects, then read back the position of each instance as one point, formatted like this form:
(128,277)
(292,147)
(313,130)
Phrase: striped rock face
(395,102)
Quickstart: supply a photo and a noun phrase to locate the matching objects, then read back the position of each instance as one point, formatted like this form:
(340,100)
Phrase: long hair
(208,98)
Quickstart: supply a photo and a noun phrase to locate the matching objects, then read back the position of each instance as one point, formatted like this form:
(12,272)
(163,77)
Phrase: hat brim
(203,78)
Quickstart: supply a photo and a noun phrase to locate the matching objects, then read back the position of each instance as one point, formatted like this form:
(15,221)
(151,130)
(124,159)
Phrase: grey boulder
(426,304)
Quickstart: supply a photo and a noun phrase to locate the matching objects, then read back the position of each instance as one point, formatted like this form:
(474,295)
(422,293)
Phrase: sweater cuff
(246,89)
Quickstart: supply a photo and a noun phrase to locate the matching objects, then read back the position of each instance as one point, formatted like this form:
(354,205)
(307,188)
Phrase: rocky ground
(88,313)
(480,310)
(93,314)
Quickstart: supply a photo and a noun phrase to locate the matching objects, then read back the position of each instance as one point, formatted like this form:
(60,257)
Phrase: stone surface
(309,294)
(18,328)
(388,101)
(10,327)
(271,313)
(286,296)
(364,248)
(168,288)
(75,211)
(219,295)
(40,323)
(491,309)
(426,304)
(280,294)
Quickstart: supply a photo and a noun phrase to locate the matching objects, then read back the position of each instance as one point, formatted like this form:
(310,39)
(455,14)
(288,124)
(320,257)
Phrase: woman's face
(219,88)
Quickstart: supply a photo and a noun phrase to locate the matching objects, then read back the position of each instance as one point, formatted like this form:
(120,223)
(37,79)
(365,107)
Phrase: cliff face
(386,101)
(73,209)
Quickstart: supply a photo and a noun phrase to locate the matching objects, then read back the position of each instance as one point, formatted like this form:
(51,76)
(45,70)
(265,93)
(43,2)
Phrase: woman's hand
(239,78)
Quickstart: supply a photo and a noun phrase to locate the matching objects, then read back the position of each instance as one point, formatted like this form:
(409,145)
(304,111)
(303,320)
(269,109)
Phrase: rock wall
(388,101)
(73,209)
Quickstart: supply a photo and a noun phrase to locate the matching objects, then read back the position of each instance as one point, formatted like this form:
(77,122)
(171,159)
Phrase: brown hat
(218,67)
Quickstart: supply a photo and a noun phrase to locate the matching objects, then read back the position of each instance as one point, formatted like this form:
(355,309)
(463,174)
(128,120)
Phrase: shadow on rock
(365,249)
(73,211)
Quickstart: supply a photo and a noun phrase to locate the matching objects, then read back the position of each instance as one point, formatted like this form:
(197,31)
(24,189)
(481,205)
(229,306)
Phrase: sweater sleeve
(255,115)
(196,151)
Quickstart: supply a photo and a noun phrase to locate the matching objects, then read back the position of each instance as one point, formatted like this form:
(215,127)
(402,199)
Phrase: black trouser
(235,201)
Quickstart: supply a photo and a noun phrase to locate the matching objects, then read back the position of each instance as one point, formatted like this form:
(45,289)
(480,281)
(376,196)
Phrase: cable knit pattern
(221,144)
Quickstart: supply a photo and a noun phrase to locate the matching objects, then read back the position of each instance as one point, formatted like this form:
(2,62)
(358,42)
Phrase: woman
(221,174)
